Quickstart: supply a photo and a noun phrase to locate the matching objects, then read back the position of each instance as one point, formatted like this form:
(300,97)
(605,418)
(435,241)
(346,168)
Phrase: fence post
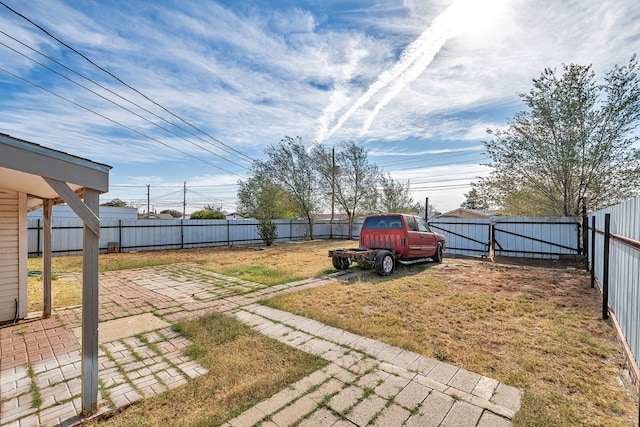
(182,234)
(593,251)
(492,241)
(585,231)
(605,269)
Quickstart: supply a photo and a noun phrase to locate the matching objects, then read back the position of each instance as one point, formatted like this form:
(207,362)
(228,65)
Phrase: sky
(192,91)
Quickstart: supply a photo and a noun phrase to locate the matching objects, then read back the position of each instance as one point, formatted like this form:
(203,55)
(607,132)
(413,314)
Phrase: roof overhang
(25,165)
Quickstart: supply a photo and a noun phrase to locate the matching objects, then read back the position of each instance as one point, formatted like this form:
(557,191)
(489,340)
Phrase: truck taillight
(403,242)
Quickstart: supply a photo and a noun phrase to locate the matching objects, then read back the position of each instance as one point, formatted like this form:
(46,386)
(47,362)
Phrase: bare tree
(354,179)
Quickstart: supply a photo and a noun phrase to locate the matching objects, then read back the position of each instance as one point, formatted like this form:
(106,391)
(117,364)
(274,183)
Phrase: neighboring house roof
(336,217)
(235,215)
(156,216)
(467,213)
(23,163)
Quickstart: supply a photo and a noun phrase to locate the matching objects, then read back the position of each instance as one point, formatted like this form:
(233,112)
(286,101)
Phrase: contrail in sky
(417,56)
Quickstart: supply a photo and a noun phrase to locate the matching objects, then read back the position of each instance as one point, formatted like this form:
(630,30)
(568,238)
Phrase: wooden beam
(46,258)
(89,218)
(90,252)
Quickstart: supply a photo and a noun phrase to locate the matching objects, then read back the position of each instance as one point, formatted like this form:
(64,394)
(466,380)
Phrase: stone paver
(366,382)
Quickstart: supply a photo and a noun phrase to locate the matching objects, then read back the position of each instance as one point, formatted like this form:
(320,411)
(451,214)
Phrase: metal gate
(546,238)
(465,236)
(523,237)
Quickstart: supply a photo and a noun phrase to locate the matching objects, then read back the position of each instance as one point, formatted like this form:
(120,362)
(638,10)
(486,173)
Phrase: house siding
(10,261)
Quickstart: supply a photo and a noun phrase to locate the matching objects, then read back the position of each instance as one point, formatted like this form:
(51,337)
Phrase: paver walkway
(372,383)
(366,381)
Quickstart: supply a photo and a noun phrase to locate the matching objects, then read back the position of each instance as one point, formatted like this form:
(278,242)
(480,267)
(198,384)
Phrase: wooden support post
(46,257)
(605,269)
(90,253)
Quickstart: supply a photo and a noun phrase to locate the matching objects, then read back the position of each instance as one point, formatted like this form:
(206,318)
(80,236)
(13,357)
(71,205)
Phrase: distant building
(467,213)
(235,215)
(154,215)
(106,212)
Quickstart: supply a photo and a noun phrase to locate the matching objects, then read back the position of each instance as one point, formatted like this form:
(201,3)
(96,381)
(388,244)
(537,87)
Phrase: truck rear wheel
(340,263)
(384,263)
(439,254)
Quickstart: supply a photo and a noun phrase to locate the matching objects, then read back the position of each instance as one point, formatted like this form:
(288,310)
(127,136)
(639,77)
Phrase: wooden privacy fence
(522,237)
(614,262)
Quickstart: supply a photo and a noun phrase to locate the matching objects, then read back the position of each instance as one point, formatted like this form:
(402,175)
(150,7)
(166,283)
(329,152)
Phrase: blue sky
(415,82)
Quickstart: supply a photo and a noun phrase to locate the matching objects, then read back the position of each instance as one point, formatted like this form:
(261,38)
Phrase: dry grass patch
(244,369)
(64,293)
(283,263)
(533,326)
(271,265)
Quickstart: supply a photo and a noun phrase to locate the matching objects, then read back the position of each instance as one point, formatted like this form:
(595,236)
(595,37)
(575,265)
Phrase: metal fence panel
(464,236)
(624,267)
(534,237)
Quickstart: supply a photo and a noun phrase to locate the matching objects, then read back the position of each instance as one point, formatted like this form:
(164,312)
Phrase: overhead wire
(233,151)
(118,105)
(83,56)
(225,149)
(116,122)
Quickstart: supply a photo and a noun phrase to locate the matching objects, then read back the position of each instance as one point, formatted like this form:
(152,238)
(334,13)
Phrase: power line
(120,80)
(118,105)
(243,157)
(172,185)
(116,122)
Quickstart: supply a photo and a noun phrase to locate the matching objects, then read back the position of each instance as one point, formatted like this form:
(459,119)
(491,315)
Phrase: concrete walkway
(367,382)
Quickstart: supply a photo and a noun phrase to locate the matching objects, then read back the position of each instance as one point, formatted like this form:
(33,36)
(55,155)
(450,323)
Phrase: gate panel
(544,238)
(464,236)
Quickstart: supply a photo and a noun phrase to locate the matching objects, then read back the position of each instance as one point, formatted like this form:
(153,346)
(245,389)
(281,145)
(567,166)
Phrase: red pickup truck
(386,239)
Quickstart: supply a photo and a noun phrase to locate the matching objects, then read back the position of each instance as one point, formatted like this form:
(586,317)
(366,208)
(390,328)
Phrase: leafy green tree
(574,141)
(475,201)
(354,179)
(208,213)
(396,196)
(289,166)
(117,203)
(260,198)
(174,213)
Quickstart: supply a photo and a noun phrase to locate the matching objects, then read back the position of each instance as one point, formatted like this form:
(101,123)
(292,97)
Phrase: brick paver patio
(367,382)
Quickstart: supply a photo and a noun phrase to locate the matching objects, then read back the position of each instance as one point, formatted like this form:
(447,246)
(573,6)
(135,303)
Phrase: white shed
(32,176)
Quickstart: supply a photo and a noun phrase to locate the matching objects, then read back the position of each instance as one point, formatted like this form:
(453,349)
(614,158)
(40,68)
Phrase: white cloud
(250,75)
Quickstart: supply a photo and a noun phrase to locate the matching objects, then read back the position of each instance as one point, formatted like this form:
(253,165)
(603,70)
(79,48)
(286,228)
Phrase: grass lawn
(244,366)
(534,325)
(283,263)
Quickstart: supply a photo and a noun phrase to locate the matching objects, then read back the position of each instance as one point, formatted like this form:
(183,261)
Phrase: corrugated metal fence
(504,236)
(616,266)
(146,235)
(523,237)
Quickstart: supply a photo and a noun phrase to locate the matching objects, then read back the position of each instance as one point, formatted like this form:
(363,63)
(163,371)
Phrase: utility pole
(333,190)
(148,200)
(184,201)
(333,182)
